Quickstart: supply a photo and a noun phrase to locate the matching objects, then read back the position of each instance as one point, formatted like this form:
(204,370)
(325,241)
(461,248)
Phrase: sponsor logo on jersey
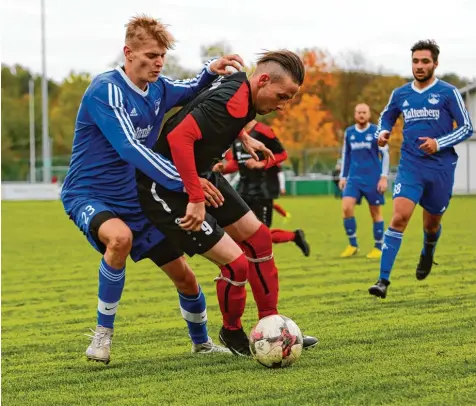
(361,145)
(434,98)
(421,114)
(142,133)
(405,103)
(368,137)
(133,113)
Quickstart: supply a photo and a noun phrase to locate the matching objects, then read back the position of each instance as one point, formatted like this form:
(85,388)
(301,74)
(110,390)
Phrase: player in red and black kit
(230,235)
(259,183)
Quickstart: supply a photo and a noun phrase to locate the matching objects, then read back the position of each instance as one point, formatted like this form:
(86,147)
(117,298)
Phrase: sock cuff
(109,268)
(191,298)
(391,232)
(113,275)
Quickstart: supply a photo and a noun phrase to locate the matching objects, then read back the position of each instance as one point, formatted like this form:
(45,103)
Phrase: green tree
(63,112)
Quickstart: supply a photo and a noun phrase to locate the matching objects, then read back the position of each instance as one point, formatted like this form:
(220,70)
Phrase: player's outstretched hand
(253,146)
(382,185)
(430,146)
(342,183)
(213,197)
(194,217)
(383,138)
(220,65)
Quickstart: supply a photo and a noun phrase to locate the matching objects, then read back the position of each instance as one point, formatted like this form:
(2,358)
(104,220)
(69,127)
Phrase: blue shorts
(145,235)
(357,189)
(431,188)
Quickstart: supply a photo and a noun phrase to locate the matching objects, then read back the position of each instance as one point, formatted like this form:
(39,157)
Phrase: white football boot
(100,347)
(208,348)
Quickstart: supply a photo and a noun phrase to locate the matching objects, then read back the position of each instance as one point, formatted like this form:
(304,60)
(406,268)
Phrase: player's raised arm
(345,164)
(180,92)
(388,117)
(464,127)
(105,105)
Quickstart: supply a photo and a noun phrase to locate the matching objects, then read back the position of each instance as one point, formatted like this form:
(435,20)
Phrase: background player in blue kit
(118,122)
(428,160)
(364,173)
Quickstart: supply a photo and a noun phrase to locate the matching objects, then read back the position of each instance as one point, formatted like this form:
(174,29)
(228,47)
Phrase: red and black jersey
(259,183)
(198,135)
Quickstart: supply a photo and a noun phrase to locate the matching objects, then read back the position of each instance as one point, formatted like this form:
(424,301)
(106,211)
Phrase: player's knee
(121,242)
(431,224)
(348,211)
(347,208)
(400,221)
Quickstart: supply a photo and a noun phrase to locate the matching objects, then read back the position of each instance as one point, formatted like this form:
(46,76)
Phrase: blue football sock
(111,285)
(194,311)
(429,242)
(378,234)
(350,226)
(391,244)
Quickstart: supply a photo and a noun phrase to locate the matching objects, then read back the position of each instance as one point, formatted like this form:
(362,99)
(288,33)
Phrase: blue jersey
(116,126)
(428,113)
(362,158)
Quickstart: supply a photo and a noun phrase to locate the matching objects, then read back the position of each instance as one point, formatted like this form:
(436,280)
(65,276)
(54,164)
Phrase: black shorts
(263,208)
(160,254)
(164,208)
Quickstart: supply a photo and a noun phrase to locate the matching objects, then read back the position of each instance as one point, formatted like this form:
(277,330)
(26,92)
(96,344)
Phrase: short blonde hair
(142,27)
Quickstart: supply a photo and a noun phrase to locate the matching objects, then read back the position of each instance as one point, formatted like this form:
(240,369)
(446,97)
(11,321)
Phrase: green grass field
(417,347)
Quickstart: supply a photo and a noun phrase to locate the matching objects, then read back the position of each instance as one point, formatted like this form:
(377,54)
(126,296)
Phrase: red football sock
(232,299)
(279,236)
(279,209)
(262,273)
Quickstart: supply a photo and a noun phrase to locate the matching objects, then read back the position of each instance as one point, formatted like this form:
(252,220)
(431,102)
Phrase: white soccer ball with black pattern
(276,341)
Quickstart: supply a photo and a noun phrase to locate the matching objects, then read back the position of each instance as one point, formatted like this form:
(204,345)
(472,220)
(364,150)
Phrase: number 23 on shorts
(86,214)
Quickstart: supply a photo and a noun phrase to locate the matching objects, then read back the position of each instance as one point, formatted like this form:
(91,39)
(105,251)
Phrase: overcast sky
(88,35)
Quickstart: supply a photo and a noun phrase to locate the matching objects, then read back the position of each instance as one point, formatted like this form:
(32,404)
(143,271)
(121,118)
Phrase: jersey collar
(363,130)
(136,89)
(426,88)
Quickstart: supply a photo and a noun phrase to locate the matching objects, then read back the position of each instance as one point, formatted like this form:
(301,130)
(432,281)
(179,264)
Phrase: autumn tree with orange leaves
(306,123)
(377,94)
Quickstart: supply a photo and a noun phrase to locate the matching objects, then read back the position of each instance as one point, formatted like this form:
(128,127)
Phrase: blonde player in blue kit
(117,124)
(364,174)
(427,165)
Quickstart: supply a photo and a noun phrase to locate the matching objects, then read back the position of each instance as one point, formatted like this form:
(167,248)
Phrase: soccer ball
(276,341)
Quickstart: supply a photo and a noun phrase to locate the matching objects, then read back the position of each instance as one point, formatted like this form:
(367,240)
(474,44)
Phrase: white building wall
(465,174)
